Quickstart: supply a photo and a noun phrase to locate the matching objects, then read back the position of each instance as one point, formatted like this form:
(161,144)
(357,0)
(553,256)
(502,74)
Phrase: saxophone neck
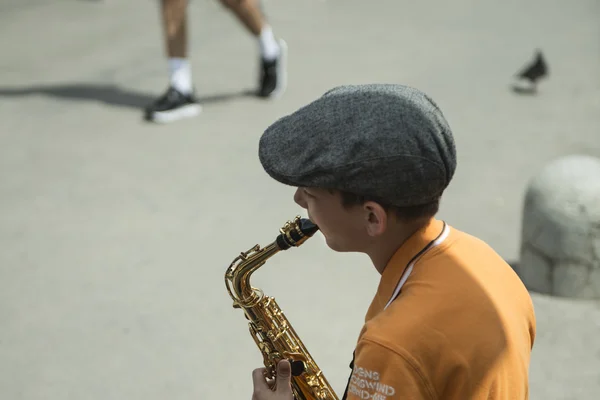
(242,268)
(292,234)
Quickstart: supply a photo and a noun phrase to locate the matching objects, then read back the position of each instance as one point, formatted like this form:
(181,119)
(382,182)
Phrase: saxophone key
(298,367)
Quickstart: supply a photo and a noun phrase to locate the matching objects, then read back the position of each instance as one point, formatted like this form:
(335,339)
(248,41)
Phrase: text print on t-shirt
(365,385)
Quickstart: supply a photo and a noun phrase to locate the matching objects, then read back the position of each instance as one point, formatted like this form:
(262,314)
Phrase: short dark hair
(406,214)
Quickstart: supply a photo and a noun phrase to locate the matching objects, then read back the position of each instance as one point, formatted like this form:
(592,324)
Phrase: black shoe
(273,79)
(172,106)
(527,79)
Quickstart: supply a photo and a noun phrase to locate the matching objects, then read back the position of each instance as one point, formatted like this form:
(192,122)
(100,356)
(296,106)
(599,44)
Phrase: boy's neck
(385,247)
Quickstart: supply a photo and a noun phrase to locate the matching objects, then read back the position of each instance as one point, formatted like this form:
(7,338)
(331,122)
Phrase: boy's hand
(282,383)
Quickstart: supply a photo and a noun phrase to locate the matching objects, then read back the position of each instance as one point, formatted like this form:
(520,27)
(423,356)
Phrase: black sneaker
(172,106)
(273,79)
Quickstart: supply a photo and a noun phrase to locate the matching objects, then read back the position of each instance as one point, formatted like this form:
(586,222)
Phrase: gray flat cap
(387,141)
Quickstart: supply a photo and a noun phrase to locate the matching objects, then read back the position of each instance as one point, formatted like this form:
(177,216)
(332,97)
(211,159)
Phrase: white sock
(180,74)
(269,48)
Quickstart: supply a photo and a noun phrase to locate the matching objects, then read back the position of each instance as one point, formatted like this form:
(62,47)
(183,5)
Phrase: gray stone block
(571,280)
(560,237)
(537,274)
(595,282)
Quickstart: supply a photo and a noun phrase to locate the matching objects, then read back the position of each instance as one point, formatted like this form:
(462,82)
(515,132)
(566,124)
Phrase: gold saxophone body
(272,332)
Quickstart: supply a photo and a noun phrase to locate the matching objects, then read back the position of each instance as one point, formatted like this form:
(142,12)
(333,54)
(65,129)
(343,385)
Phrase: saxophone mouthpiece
(294,233)
(308,227)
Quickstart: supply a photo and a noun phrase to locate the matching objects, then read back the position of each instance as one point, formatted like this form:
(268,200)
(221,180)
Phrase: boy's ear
(376,218)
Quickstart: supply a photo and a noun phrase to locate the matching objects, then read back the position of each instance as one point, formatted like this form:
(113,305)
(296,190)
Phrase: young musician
(179,101)
(450,318)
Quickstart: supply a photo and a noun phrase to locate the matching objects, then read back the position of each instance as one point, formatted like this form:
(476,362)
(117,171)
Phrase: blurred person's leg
(272,79)
(179,100)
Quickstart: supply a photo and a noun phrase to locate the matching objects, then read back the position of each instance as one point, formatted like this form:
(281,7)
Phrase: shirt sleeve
(380,373)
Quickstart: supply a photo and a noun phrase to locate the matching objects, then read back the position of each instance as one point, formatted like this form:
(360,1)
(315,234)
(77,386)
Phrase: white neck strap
(434,243)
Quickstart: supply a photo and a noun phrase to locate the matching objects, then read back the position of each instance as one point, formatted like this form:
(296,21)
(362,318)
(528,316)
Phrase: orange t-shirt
(462,326)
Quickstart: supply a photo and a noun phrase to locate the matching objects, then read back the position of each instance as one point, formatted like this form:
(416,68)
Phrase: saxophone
(273,334)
